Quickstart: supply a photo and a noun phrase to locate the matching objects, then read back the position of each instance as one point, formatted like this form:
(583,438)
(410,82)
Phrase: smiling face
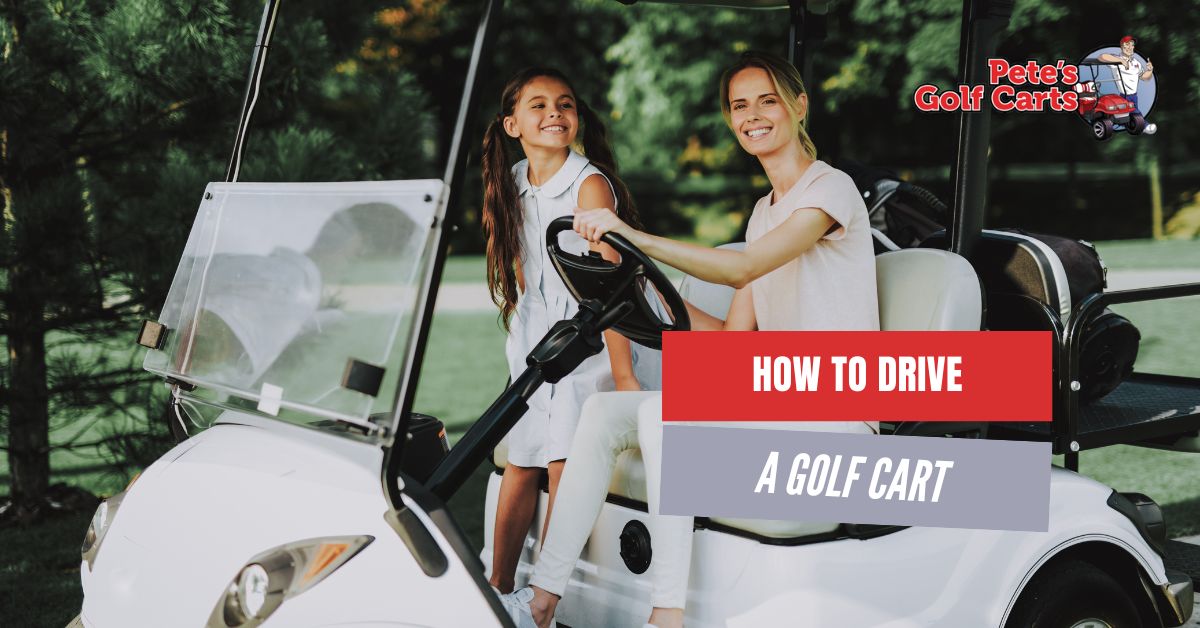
(544,115)
(1127,48)
(757,113)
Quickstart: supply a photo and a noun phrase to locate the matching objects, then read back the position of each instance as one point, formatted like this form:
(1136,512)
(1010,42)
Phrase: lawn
(464,370)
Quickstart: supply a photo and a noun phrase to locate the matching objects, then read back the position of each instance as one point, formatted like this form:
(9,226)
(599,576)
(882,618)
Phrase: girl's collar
(559,183)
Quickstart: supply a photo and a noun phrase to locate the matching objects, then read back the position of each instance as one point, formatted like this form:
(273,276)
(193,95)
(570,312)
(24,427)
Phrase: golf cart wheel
(1136,125)
(1074,594)
(1102,128)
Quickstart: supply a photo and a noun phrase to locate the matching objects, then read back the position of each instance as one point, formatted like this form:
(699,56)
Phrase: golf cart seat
(919,289)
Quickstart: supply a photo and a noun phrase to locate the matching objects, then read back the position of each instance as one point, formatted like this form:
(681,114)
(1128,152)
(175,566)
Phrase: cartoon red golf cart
(1103,102)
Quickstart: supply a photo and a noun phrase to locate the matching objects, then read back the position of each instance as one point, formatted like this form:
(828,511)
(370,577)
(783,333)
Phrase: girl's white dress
(544,434)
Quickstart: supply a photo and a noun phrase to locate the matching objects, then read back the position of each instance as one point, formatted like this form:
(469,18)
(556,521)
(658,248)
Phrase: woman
(808,265)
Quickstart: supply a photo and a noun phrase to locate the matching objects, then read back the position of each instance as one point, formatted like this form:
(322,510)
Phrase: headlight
(278,574)
(252,590)
(101,522)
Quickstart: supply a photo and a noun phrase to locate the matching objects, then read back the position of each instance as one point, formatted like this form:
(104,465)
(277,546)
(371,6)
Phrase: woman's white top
(544,434)
(831,286)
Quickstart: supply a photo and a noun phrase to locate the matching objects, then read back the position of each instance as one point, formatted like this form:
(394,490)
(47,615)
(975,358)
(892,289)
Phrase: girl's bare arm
(595,192)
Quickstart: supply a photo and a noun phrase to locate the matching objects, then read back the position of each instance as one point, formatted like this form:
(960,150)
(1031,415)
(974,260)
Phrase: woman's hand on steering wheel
(591,224)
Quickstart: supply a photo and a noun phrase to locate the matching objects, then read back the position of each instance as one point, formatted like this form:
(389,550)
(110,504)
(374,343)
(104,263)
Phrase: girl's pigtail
(501,220)
(599,152)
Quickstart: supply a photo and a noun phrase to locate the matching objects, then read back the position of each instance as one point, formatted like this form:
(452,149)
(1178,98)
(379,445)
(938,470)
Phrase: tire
(1074,594)
(1102,129)
(1136,125)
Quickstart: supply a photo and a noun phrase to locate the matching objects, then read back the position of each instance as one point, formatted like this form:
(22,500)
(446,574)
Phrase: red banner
(857,376)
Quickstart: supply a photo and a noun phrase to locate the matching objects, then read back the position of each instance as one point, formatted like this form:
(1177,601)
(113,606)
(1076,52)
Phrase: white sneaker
(517,606)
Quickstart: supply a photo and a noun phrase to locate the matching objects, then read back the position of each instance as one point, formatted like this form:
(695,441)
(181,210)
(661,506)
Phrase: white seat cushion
(919,289)
(927,290)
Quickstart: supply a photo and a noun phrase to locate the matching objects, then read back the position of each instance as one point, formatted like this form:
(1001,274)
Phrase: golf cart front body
(1115,107)
(288,324)
(197,517)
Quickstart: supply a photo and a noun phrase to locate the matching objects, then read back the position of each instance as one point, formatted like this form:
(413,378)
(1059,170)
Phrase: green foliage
(665,90)
(114,115)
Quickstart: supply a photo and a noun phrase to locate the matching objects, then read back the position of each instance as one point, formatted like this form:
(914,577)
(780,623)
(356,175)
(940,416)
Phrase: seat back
(919,290)
(712,298)
(927,290)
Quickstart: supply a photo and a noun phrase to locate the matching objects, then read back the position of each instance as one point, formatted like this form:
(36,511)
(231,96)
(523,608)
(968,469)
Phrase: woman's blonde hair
(788,85)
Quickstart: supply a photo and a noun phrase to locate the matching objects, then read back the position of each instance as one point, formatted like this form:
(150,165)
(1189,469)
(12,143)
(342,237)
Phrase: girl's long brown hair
(502,216)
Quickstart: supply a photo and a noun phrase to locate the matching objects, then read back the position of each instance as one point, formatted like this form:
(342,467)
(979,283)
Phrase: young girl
(808,265)
(541,110)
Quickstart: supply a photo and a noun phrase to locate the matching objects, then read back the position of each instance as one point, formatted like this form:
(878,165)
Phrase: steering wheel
(657,306)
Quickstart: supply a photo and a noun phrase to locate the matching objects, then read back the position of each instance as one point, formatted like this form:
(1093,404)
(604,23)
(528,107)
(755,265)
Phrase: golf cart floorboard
(1143,408)
(1184,557)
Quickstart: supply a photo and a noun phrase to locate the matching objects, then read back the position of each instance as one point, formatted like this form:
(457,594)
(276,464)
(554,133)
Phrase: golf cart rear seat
(919,289)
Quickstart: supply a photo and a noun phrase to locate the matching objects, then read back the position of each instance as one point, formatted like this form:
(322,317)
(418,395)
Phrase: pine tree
(113,115)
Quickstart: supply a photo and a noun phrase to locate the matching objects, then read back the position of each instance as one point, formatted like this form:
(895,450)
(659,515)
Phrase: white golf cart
(294,331)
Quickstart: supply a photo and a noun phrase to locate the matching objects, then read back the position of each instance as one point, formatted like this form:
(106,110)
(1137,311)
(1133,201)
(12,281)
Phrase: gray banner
(717,471)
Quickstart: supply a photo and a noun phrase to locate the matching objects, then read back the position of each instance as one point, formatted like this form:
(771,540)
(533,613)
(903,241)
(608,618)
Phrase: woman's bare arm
(780,245)
(739,318)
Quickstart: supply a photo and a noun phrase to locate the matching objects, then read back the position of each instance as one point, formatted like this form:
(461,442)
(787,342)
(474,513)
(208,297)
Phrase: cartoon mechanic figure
(1132,71)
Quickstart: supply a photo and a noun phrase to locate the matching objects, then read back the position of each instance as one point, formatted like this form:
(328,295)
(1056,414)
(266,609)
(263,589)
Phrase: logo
(1116,91)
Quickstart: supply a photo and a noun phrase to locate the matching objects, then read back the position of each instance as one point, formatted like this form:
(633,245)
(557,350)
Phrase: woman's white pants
(609,424)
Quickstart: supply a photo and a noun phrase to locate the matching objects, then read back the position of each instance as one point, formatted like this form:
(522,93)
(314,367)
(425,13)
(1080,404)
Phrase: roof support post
(444,225)
(806,29)
(983,21)
(266,29)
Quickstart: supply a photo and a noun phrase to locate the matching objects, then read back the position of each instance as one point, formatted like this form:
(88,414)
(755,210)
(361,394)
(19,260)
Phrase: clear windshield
(285,289)
(1105,78)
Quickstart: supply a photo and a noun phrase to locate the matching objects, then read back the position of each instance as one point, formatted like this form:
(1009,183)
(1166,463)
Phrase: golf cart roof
(1098,61)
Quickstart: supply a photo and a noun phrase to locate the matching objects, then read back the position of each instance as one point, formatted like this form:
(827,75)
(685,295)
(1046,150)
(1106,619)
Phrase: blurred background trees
(114,114)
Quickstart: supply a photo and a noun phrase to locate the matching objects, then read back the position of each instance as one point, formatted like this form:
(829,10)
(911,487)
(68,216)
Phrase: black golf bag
(1031,281)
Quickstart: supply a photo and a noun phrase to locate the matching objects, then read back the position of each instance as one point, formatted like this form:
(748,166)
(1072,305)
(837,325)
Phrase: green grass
(1170,343)
(1150,254)
(1168,477)
(39,572)
(465,269)
(464,370)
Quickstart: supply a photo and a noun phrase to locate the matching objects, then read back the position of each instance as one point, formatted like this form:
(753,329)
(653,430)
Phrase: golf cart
(1103,102)
(315,496)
